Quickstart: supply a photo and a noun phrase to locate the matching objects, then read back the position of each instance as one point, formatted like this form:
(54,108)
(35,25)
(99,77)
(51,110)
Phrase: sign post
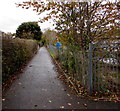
(58,45)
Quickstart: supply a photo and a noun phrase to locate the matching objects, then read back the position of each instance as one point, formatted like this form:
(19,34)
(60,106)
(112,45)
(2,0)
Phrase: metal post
(58,53)
(90,69)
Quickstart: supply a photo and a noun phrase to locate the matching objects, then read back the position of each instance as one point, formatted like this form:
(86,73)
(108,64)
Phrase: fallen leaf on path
(69,104)
(35,105)
(3,99)
(68,94)
(19,83)
(30,66)
(95,99)
(44,89)
(50,101)
(62,107)
(69,85)
(85,105)
(13,91)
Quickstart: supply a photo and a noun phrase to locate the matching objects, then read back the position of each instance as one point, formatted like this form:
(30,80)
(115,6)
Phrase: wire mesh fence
(97,68)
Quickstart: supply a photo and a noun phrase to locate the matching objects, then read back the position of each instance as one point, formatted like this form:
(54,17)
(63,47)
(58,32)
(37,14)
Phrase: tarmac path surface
(39,88)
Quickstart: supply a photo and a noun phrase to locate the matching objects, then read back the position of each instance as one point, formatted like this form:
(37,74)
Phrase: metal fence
(97,69)
(106,66)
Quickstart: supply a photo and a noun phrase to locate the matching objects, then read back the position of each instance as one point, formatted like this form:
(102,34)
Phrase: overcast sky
(11,16)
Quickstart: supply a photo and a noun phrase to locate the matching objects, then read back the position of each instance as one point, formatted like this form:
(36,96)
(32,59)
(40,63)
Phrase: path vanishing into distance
(38,87)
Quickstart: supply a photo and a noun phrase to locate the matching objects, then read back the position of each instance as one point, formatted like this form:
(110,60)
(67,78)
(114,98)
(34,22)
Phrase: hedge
(14,53)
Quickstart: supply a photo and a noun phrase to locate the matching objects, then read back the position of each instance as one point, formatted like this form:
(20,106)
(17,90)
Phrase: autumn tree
(87,22)
(50,36)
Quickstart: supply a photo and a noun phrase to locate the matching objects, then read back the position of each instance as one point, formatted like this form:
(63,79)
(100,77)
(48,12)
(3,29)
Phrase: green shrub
(14,53)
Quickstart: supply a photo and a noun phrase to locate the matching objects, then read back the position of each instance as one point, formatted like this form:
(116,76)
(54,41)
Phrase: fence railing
(97,69)
(106,66)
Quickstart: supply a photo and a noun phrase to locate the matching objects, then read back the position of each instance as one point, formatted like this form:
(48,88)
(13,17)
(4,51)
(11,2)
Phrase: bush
(16,52)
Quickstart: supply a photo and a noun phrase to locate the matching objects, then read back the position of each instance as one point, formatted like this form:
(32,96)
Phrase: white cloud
(11,16)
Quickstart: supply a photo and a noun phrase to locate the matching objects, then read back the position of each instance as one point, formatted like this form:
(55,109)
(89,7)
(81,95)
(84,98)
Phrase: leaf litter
(69,104)
(62,107)
(74,85)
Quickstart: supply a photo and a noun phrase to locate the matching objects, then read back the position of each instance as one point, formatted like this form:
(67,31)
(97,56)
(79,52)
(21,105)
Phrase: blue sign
(58,44)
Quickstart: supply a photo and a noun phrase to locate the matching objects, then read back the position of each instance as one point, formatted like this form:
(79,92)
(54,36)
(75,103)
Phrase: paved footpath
(39,88)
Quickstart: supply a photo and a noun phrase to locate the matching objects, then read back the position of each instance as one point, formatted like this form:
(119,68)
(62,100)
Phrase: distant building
(4,35)
(0,33)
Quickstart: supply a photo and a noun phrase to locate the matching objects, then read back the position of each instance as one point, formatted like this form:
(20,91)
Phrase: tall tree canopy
(29,30)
